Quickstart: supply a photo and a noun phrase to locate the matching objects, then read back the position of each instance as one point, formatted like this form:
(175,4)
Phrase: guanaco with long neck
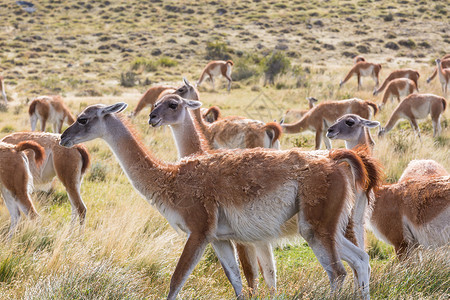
(16,179)
(399,87)
(319,118)
(52,109)
(215,69)
(415,107)
(444,76)
(363,69)
(257,192)
(445,63)
(67,164)
(402,73)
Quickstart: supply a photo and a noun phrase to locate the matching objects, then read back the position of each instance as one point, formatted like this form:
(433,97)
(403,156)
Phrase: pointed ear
(192,104)
(186,82)
(370,124)
(115,108)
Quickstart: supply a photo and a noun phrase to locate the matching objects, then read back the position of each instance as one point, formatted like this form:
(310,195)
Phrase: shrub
(275,64)
(128,79)
(218,50)
(144,63)
(246,67)
(409,43)
(167,62)
(98,172)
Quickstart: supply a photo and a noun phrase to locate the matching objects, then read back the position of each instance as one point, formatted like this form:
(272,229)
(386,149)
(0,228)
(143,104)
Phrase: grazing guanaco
(363,69)
(444,76)
(402,73)
(353,130)
(151,96)
(216,68)
(242,195)
(297,114)
(16,179)
(2,89)
(413,212)
(417,106)
(445,63)
(52,109)
(69,165)
(399,87)
(234,131)
(319,118)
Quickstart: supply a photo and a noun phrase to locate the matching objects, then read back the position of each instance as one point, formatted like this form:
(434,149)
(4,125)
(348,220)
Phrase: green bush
(167,62)
(246,67)
(218,50)
(144,63)
(128,79)
(98,172)
(275,64)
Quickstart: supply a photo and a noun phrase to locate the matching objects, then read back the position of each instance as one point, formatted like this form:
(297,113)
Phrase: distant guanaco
(444,76)
(52,109)
(151,96)
(402,73)
(445,63)
(215,69)
(363,68)
(399,87)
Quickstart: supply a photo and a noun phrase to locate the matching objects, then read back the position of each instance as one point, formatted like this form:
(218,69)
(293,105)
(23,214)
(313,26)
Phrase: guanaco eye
(82,121)
(181,90)
(173,105)
(349,123)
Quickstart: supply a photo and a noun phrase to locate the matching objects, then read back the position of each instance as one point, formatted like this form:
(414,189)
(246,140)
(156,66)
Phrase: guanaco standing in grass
(399,87)
(402,73)
(52,109)
(216,68)
(445,63)
(444,76)
(363,69)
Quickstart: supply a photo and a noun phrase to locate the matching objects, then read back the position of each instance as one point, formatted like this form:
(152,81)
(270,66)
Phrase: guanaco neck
(186,137)
(299,126)
(364,139)
(203,128)
(146,173)
(440,71)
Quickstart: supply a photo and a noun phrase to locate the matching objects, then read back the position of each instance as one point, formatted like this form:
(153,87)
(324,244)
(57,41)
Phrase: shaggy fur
(422,168)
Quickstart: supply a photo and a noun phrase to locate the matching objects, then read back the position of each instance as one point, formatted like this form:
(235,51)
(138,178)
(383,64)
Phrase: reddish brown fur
(396,86)
(68,164)
(44,105)
(444,76)
(422,169)
(151,96)
(418,200)
(414,107)
(359,68)
(39,152)
(211,114)
(329,112)
(359,58)
(402,73)
(208,71)
(275,130)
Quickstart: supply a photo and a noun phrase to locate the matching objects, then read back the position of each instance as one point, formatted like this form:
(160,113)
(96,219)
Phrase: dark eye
(82,121)
(173,105)
(349,123)
(181,90)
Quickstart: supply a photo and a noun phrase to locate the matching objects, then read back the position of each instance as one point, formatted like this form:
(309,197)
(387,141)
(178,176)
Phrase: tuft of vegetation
(98,172)
(218,50)
(128,79)
(409,43)
(275,64)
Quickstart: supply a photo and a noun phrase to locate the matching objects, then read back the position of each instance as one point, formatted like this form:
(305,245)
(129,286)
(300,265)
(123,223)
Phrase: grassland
(109,51)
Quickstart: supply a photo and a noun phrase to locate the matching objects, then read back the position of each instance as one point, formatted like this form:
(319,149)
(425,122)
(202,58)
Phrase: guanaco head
(349,127)
(171,110)
(187,91)
(90,124)
(382,132)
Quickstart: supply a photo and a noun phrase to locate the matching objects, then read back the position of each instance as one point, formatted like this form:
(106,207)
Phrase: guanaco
(363,68)
(216,68)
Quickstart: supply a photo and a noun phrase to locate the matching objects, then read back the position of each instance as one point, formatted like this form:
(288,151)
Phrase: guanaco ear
(192,104)
(370,124)
(115,108)
(186,82)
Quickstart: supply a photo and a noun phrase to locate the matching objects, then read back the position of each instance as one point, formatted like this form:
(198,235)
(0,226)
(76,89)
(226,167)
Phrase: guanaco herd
(234,188)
